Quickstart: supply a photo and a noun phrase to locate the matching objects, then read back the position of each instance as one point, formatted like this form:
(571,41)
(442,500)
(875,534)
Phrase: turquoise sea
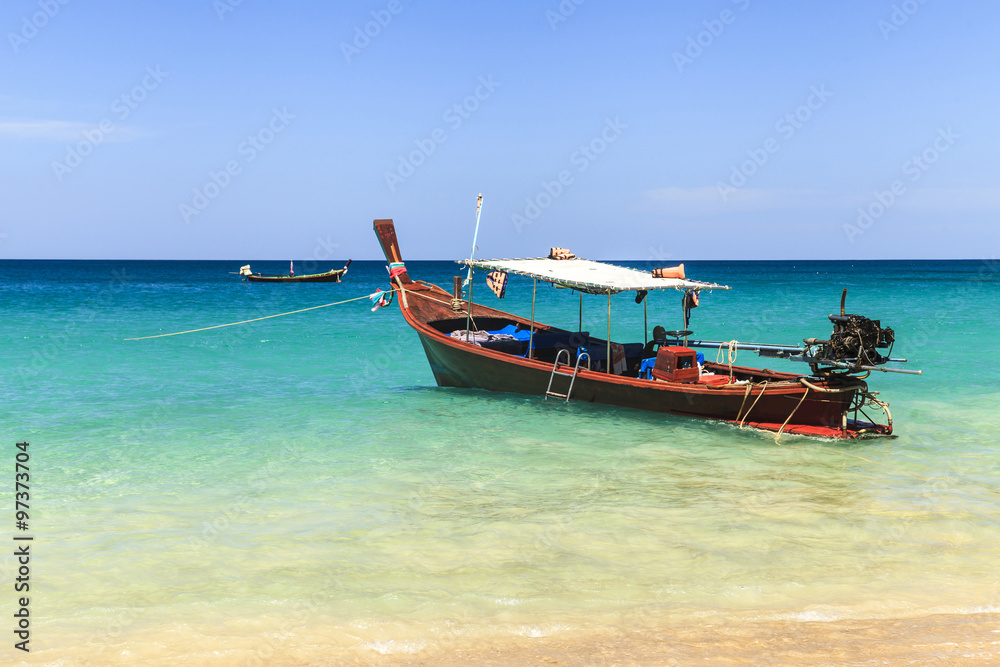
(297,490)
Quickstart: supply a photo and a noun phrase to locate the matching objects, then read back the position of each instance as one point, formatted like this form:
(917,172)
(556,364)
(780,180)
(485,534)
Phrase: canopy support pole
(684,317)
(645,323)
(608,361)
(687,315)
(579,326)
(531,336)
(468,313)
(472,253)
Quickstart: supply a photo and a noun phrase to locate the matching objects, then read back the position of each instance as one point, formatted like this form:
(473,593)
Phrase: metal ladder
(572,376)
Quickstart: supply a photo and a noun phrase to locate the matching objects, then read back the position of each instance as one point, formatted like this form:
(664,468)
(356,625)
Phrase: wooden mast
(608,360)
(531,336)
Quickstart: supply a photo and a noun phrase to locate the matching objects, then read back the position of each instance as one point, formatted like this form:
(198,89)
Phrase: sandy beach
(941,639)
(931,640)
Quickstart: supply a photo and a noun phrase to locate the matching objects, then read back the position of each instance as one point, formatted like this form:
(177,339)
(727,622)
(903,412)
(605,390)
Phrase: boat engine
(855,340)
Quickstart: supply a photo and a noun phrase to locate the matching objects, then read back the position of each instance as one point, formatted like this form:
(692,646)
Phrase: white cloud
(47,130)
(59,131)
(711,200)
(952,199)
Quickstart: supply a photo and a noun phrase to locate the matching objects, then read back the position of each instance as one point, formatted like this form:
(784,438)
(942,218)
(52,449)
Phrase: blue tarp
(512,330)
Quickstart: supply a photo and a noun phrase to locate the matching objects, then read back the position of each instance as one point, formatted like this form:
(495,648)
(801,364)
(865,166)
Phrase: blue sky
(728,129)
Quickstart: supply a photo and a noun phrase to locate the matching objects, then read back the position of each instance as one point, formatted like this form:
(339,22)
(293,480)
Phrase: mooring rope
(733,351)
(443,303)
(746,394)
(747,415)
(257,319)
(797,405)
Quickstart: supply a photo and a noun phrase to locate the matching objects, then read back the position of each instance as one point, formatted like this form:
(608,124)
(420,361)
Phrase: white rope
(257,319)
(762,390)
(777,436)
(733,351)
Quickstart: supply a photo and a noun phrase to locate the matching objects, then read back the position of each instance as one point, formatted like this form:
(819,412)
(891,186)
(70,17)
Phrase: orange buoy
(670,272)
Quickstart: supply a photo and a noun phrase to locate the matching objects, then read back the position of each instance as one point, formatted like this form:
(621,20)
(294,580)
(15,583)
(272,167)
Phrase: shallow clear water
(300,484)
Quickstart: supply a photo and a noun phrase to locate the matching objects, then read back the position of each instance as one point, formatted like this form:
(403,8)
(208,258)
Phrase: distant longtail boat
(332,276)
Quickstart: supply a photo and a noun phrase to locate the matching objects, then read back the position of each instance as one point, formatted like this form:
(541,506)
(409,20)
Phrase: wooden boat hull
(771,400)
(463,365)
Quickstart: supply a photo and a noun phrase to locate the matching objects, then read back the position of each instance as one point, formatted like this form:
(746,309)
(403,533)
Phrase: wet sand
(931,640)
(942,639)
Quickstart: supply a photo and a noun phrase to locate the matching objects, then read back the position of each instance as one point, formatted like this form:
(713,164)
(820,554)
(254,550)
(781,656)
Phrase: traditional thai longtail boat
(331,276)
(471,345)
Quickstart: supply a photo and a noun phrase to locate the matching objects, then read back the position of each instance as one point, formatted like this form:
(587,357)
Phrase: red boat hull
(459,364)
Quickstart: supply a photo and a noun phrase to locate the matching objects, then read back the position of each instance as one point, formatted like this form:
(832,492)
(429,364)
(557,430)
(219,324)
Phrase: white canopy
(587,276)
